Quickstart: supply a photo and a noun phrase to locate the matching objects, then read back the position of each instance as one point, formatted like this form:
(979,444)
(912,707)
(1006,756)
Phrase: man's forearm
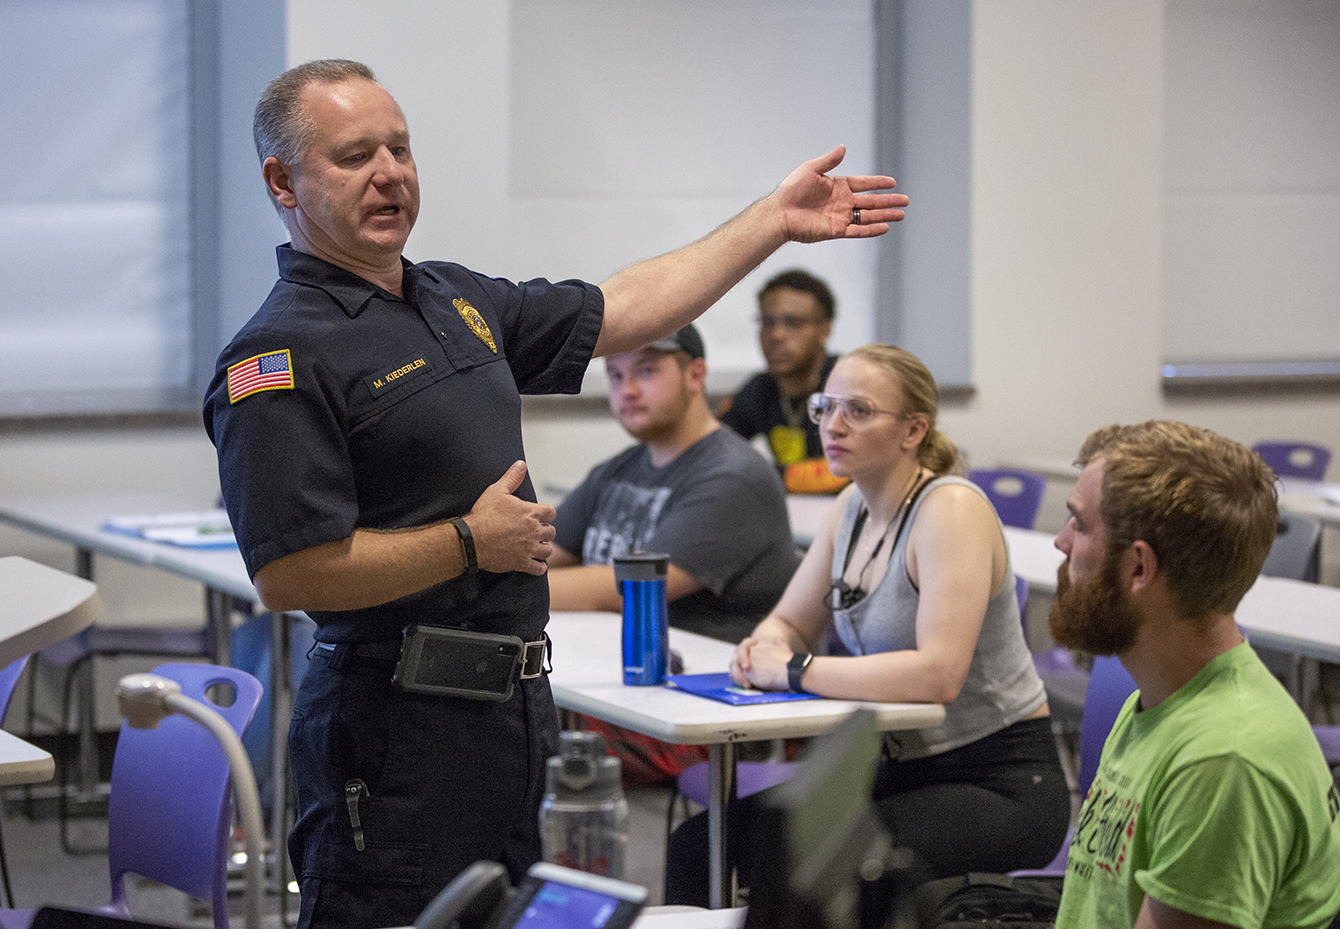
(367,569)
(662,294)
(593,587)
(584,587)
(658,296)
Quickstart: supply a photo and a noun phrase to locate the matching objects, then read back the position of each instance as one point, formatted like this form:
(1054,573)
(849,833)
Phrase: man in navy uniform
(367,421)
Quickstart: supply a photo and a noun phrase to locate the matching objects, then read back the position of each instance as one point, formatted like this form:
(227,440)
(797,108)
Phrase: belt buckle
(532,658)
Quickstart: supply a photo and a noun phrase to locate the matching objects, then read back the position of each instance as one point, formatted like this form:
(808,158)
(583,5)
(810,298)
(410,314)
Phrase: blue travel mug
(646,622)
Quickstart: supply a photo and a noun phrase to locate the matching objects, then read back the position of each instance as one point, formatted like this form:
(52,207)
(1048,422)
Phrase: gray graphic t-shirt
(718,510)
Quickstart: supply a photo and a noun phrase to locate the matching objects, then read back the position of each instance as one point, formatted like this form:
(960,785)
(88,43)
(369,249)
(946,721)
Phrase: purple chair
(76,655)
(750,778)
(170,810)
(692,784)
(9,679)
(1295,459)
(1109,686)
(1296,551)
(1329,737)
(1016,495)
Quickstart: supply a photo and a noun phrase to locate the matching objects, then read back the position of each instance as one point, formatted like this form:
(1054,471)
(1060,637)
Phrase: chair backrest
(1295,459)
(9,679)
(1109,686)
(170,808)
(1296,551)
(1016,495)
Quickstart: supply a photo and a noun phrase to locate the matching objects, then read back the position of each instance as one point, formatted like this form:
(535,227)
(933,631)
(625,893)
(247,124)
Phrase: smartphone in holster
(457,663)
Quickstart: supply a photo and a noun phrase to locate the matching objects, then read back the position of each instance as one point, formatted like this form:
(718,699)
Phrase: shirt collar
(350,291)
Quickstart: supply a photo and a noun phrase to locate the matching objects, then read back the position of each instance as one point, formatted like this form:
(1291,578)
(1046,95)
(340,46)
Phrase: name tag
(379,384)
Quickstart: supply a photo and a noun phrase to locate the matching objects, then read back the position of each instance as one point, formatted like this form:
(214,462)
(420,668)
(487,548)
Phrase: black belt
(532,656)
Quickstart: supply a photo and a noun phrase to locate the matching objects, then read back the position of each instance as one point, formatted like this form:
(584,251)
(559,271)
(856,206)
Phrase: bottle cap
(582,768)
(641,566)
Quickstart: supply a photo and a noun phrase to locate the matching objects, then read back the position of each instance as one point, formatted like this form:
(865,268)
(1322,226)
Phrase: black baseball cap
(685,340)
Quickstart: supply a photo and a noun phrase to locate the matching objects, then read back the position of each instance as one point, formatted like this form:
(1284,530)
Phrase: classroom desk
(1312,497)
(806,513)
(588,678)
(39,606)
(1292,616)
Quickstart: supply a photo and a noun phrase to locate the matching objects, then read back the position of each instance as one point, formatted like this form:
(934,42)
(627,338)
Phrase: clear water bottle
(584,815)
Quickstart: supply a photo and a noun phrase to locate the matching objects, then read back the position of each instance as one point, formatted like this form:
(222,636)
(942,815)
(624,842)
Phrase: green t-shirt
(1216,802)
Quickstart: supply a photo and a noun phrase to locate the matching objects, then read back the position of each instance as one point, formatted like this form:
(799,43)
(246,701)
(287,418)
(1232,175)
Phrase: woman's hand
(761,663)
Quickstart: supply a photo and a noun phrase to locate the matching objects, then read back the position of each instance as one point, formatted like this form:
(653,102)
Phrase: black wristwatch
(795,669)
(467,546)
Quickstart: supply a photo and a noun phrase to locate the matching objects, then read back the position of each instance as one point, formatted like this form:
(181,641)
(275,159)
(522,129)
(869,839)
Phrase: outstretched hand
(511,534)
(816,206)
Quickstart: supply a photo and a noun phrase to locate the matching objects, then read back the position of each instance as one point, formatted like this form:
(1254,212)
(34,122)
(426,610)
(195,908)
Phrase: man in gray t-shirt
(690,488)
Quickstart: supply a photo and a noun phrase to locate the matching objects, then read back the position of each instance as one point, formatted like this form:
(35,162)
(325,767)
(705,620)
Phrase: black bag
(985,901)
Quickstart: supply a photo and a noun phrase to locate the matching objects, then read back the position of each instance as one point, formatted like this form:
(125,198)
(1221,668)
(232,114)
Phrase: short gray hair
(280,127)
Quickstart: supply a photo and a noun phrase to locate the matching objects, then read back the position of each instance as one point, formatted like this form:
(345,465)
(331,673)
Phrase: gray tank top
(1002,686)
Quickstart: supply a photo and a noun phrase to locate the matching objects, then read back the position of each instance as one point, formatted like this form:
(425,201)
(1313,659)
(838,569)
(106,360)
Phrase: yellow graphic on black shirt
(787,444)
(476,323)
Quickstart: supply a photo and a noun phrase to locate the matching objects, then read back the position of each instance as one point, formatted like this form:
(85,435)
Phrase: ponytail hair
(920,397)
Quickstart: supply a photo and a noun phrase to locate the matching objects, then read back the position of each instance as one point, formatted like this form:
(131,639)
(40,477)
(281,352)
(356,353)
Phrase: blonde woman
(911,570)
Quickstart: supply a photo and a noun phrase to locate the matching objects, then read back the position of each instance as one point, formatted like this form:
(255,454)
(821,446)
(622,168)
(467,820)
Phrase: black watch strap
(467,545)
(795,669)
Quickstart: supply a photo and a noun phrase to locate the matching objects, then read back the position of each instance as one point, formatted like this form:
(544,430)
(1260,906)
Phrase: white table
(1034,557)
(1292,616)
(588,678)
(39,606)
(807,512)
(1312,497)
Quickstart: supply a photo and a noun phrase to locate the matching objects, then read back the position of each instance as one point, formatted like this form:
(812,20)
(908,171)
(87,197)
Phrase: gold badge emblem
(476,323)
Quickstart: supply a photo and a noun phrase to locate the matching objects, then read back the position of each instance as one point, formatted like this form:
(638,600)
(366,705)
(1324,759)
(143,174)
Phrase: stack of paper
(207,529)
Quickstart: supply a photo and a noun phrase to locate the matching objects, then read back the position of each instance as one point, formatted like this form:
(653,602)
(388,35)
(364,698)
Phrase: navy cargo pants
(433,784)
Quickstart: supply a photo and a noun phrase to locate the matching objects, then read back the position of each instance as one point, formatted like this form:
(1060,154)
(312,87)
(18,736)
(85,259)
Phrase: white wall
(1067,237)
(1065,231)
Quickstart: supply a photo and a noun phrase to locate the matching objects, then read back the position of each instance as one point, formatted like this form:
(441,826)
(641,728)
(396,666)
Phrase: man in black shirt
(368,426)
(795,319)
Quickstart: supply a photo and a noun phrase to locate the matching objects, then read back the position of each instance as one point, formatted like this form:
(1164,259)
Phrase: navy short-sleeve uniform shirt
(401,412)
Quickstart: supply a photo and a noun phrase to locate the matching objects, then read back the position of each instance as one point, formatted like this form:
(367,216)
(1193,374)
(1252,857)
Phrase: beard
(1096,616)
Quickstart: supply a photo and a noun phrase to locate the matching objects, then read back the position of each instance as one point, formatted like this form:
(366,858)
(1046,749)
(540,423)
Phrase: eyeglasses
(793,323)
(855,411)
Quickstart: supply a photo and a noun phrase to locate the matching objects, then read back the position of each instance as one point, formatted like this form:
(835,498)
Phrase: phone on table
(550,897)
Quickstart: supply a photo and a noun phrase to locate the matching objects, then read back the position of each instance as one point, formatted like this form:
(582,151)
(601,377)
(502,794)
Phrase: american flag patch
(271,371)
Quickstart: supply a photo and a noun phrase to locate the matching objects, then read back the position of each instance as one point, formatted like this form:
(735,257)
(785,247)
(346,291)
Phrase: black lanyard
(844,597)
